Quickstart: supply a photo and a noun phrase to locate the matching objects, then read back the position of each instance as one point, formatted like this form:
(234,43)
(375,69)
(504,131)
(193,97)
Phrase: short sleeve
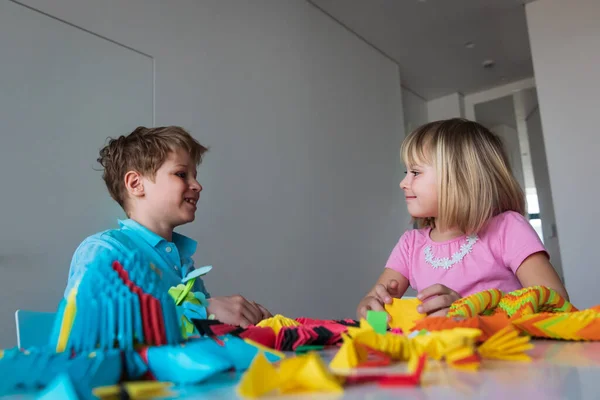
(399,259)
(518,240)
(95,250)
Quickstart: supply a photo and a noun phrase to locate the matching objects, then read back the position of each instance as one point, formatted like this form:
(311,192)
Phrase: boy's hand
(265,313)
(437,300)
(235,310)
(381,295)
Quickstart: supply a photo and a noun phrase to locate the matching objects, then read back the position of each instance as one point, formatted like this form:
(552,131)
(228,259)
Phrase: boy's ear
(134,184)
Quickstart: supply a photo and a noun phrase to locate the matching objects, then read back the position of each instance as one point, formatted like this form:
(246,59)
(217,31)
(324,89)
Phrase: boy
(151,173)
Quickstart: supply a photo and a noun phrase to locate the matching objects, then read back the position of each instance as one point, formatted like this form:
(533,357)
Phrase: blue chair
(33,328)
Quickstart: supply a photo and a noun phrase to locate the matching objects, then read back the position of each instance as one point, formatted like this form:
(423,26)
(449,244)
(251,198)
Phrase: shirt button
(168,249)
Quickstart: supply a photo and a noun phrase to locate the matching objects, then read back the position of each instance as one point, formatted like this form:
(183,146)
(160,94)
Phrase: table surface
(559,370)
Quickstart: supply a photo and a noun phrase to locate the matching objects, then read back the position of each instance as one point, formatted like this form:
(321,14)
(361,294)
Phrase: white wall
(543,187)
(57,105)
(565,44)
(510,139)
(450,106)
(415,110)
(301,204)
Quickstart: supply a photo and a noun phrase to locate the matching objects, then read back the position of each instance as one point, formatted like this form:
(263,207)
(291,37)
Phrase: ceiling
(427,39)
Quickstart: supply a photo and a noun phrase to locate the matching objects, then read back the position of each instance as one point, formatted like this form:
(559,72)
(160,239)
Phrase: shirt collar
(185,245)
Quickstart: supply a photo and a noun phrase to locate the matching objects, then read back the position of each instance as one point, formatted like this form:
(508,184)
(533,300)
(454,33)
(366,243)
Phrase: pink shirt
(468,264)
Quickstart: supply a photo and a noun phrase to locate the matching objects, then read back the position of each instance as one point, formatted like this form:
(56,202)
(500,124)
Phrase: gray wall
(565,44)
(301,204)
(415,110)
(510,140)
(544,191)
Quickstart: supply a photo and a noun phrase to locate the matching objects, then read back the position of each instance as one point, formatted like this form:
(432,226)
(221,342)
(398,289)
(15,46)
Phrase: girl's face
(420,190)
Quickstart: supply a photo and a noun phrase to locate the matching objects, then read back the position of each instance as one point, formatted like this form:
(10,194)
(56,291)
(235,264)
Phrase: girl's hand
(437,300)
(385,293)
(370,302)
(379,297)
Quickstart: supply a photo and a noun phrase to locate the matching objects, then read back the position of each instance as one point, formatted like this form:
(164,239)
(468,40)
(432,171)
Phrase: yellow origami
(135,390)
(506,344)
(457,346)
(578,325)
(349,355)
(67,321)
(404,314)
(261,378)
(306,373)
(277,322)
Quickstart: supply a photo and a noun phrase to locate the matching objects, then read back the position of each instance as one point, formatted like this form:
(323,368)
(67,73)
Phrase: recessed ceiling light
(488,64)
(469,45)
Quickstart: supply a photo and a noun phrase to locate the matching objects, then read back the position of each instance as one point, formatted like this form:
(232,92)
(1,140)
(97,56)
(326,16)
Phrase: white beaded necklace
(446,262)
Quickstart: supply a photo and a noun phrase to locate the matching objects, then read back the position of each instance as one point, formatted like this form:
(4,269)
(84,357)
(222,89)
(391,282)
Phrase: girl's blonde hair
(474,178)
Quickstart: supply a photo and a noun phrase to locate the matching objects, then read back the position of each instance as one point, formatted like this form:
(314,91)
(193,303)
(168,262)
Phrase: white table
(560,370)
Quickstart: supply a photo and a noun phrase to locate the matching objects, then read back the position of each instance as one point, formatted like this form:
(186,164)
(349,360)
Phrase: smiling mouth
(192,201)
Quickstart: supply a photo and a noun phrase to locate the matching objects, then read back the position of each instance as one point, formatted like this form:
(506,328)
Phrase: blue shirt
(173,258)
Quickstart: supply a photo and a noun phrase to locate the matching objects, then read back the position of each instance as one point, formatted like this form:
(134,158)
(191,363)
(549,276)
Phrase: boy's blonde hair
(144,150)
(474,178)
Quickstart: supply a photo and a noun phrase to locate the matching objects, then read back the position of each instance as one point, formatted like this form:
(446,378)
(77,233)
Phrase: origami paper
(277,322)
(506,344)
(487,324)
(580,325)
(378,320)
(116,305)
(201,359)
(135,391)
(476,304)
(413,378)
(190,306)
(534,300)
(30,370)
(457,346)
(520,302)
(403,313)
(306,373)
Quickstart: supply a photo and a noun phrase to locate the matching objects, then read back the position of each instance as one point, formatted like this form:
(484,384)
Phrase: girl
(473,236)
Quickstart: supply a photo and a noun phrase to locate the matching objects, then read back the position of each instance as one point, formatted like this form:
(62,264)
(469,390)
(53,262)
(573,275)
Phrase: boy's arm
(92,251)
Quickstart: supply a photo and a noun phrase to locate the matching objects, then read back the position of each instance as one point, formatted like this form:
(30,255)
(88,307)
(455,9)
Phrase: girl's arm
(536,270)
(391,284)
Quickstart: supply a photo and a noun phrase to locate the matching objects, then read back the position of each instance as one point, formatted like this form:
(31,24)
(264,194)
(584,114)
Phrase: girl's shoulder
(504,220)
(415,237)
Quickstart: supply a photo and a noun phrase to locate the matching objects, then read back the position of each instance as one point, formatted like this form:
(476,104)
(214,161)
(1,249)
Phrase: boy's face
(170,200)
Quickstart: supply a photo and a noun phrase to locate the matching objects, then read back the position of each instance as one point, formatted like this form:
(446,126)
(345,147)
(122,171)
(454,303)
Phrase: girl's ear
(134,184)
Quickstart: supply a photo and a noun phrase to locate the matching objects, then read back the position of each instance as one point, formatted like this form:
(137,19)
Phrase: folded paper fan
(580,325)
(277,322)
(506,344)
